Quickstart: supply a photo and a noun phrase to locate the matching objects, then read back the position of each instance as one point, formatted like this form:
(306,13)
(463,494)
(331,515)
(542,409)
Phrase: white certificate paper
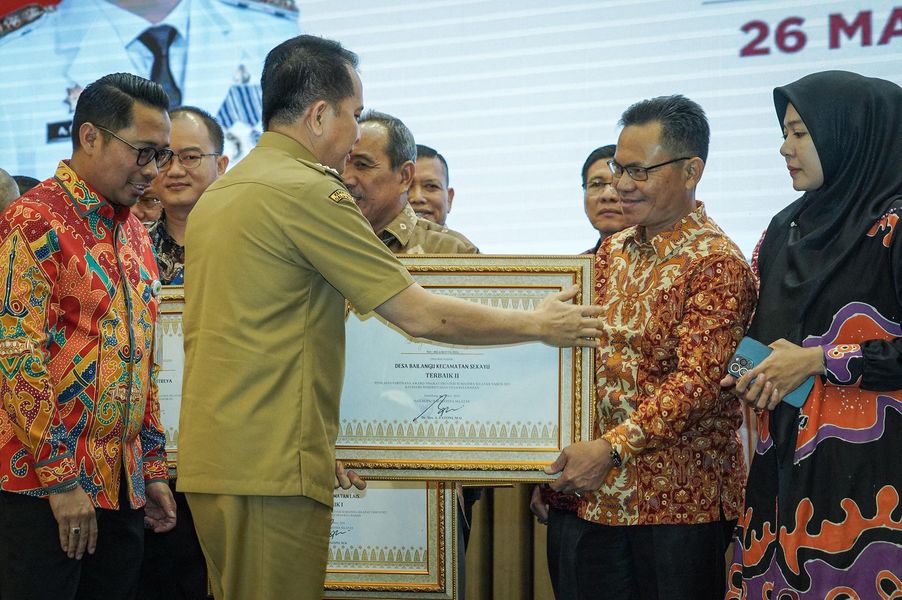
(439,411)
(169,354)
(395,537)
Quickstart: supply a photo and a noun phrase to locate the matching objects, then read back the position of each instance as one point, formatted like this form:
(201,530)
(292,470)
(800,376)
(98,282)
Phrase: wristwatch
(615,458)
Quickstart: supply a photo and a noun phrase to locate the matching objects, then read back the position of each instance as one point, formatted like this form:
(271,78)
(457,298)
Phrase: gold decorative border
(507,464)
(385,430)
(445,586)
(171,302)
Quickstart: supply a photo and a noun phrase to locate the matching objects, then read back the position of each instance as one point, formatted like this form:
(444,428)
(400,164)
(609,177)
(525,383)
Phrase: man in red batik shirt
(82,460)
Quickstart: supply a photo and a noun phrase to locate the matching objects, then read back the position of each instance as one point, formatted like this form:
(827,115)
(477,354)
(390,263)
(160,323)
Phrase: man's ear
(407,171)
(450,197)
(88,137)
(695,166)
(314,116)
(222,162)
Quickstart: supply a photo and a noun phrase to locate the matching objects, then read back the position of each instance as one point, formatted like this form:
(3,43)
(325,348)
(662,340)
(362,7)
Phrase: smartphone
(749,354)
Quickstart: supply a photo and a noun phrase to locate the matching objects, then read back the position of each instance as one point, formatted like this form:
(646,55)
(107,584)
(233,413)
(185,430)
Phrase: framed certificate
(395,539)
(169,355)
(412,409)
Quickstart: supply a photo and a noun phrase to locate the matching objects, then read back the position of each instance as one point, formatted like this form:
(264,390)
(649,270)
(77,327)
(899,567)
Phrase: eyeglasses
(597,184)
(638,173)
(148,201)
(190,159)
(145,155)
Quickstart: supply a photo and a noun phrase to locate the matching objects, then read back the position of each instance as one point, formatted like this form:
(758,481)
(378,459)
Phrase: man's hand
(585,466)
(781,372)
(159,511)
(564,325)
(345,479)
(77,522)
(537,505)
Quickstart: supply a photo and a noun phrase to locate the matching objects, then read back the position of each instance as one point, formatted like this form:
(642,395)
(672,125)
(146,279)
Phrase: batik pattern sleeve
(153,440)
(27,322)
(715,312)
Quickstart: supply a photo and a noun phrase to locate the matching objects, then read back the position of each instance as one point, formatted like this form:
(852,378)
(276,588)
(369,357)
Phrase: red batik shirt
(675,307)
(77,321)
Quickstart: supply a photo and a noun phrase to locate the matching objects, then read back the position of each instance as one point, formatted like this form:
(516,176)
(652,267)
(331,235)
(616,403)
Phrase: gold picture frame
(396,539)
(413,409)
(169,355)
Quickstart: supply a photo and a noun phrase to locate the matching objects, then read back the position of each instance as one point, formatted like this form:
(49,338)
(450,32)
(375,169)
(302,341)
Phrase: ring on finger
(76,531)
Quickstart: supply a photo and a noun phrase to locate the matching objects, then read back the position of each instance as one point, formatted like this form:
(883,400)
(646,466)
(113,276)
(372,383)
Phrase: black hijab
(855,123)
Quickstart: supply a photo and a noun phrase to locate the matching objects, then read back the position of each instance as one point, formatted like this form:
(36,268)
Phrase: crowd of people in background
(315,215)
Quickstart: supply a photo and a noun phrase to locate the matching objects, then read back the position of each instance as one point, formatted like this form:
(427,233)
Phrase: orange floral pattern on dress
(886,223)
(837,537)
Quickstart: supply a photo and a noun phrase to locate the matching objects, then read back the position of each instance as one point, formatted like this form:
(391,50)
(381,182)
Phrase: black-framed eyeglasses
(160,156)
(191,159)
(597,184)
(637,173)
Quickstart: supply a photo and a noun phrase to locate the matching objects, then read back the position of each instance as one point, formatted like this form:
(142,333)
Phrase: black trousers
(565,530)
(648,562)
(174,567)
(33,566)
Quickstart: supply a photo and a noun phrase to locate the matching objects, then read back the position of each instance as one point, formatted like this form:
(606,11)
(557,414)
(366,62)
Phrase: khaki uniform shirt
(409,234)
(275,246)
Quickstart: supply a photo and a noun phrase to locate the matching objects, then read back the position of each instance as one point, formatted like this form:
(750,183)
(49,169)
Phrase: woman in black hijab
(823,514)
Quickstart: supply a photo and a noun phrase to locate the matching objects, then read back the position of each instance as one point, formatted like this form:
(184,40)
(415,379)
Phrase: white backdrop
(515,94)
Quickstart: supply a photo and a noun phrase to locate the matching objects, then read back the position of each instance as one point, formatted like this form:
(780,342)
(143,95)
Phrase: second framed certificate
(170,358)
(395,539)
(418,410)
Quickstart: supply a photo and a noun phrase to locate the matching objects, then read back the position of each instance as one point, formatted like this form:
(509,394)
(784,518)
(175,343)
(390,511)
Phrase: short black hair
(684,126)
(400,145)
(595,156)
(427,152)
(302,70)
(108,102)
(214,129)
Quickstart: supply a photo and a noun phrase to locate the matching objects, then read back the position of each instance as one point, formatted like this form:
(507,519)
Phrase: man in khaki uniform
(277,245)
(379,173)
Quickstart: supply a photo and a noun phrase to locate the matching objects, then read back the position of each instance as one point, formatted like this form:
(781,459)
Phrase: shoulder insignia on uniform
(21,17)
(279,8)
(329,170)
(339,195)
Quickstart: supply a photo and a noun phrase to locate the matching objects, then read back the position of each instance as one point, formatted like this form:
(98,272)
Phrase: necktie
(158,39)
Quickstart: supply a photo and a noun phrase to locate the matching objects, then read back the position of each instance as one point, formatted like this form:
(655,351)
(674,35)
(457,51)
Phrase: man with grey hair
(9,190)
(277,246)
(659,489)
(379,175)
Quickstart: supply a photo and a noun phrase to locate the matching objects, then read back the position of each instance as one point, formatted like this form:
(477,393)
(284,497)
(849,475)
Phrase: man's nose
(150,170)
(415,196)
(609,193)
(624,182)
